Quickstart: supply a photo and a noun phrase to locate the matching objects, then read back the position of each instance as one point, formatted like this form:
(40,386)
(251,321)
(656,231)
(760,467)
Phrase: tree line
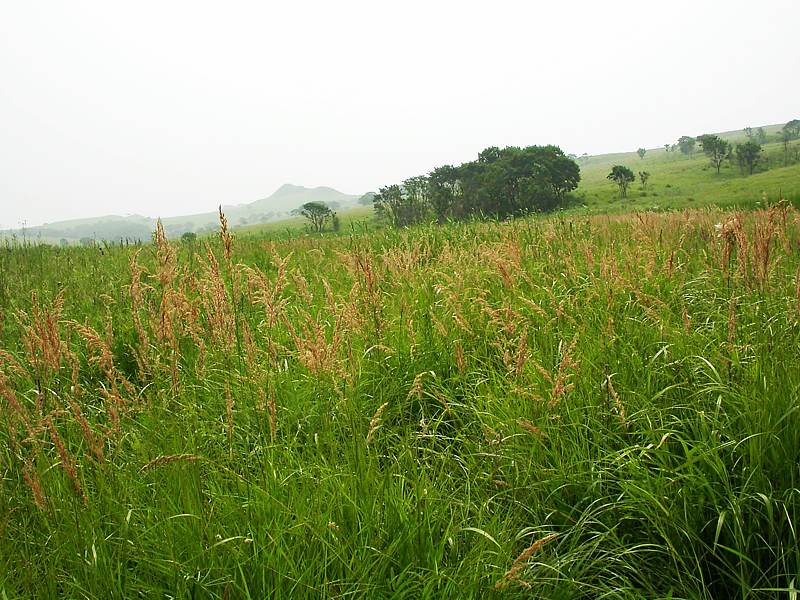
(501,183)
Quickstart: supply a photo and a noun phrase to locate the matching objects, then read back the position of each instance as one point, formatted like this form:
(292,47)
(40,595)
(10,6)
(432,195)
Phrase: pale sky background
(166,108)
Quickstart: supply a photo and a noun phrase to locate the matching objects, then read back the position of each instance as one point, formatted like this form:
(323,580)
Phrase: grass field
(577,406)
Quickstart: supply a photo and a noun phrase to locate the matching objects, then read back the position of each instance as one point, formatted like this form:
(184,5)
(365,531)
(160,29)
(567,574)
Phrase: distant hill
(275,207)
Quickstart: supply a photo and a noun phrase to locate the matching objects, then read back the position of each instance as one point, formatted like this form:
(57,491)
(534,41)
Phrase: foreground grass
(562,408)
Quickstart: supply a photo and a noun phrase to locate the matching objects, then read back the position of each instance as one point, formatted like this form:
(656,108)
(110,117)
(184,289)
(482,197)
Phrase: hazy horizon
(165,110)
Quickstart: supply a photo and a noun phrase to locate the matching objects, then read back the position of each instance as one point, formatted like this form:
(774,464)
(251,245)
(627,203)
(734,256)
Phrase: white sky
(165,108)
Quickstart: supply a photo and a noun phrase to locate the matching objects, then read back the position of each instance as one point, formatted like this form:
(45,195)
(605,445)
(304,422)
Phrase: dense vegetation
(554,407)
(501,183)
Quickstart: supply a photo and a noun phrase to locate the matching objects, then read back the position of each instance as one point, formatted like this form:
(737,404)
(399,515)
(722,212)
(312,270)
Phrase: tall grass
(557,408)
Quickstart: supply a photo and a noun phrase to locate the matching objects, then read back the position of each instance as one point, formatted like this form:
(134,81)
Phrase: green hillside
(678,181)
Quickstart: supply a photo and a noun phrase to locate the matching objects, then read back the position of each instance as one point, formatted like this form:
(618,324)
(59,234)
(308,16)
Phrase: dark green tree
(715,148)
(641,152)
(643,177)
(387,204)
(444,188)
(490,155)
(748,155)
(317,213)
(623,177)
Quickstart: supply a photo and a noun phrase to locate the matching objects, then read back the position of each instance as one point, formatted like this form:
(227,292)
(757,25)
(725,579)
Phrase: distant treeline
(501,183)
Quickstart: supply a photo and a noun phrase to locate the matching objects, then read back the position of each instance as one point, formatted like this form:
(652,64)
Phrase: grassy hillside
(579,407)
(677,181)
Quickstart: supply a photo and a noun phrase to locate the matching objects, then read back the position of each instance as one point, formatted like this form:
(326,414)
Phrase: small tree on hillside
(715,148)
(748,155)
(643,177)
(641,152)
(666,147)
(792,129)
(317,213)
(623,177)
(786,137)
(748,131)
(686,145)
(761,136)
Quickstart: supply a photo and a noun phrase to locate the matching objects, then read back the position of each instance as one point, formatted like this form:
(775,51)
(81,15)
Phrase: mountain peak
(288,188)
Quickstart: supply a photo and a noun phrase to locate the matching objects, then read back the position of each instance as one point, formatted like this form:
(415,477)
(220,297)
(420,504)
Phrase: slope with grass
(678,181)
(580,407)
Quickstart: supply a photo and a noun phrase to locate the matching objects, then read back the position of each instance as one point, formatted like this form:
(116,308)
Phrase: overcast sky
(166,108)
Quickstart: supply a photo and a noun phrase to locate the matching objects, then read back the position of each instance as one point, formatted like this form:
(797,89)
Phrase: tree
(666,147)
(387,202)
(786,137)
(748,131)
(403,205)
(641,152)
(792,128)
(761,136)
(623,177)
(686,145)
(317,213)
(715,148)
(643,177)
(490,155)
(188,237)
(748,155)
(445,191)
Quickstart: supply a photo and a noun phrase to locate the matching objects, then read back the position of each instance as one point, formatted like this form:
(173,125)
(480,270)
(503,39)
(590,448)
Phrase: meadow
(575,406)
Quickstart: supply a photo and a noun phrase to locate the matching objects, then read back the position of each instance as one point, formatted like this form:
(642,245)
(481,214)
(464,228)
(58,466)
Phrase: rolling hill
(273,208)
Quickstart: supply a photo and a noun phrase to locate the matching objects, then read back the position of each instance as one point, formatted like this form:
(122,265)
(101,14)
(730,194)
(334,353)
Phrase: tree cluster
(501,183)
